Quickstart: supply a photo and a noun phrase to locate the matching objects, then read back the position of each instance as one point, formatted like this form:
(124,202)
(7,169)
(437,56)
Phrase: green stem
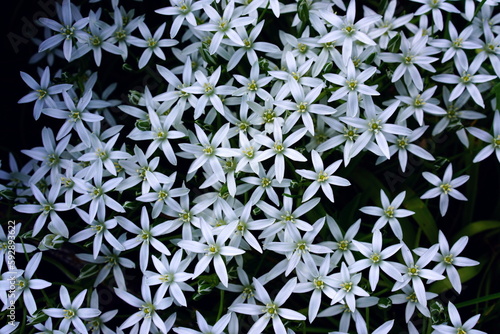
(221,305)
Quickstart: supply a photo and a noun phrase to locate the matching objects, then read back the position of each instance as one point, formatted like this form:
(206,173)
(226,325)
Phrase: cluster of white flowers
(220,180)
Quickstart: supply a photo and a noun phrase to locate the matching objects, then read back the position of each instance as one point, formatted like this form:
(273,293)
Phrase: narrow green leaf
(478,227)
(479,300)
(422,216)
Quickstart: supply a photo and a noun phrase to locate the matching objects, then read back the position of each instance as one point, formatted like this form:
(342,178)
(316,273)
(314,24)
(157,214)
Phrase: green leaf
(478,227)
(88,270)
(479,300)
(303,10)
(394,44)
(422,216)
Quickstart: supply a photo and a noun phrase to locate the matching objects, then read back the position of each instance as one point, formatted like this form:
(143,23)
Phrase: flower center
(412,298)
(208,150)
(75,115)
(402,142)
(302,47)
(248,291)
(96,192)
(162,195)
(148,310)
(271,310)
(223,25)
(152,43)
(41,93)
(350,133)
(302,107)
(458,43)
(212,249)
(349,30)
(268,116)
(448,259)
(247,43)
(265,182)
(466,77)
(374,126)
(318,284)
(252,86)
(389,212)
(408,60)
(302,247)
(185,216)
(419,101)
(209,89)
(68,314)
(496,141)
(288,217)
(120,35)
(343,245)
(347,286)
(167,278)
(278,147)
(351,84)
(68,31)
(446,187)
(322,177)
(375,258)
(95,40)
(460,330)
(413,270)
(249,152)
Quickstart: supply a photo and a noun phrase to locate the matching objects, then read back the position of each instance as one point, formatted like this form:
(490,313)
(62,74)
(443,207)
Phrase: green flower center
(208,88)
(466,77)
(96,192)
(166,278)
(223,25)
(375,258)
(68,31)
(302,107)
(496,141)
(252,86)
(351,84)
(445,187)
(249,152)
(75,115)
(458,43)
(318,284)
(148,310)
(268,116)
(347,286)
(374,126)
(247,43)
(143,171)
(278,147)
(302,47)
(389,212)
(120,35)
(271,310)
(350,133)
(69,314)
(322,177)
(151,42)
(402,142)
(288,217)
(296,76)
(419,101)
(448,259)
(95,40)
(343,245)
(349,30)
(212,249)
(162,195)
(412,298)
(408,60)
(265,182)
(302,247)
(42,93)
(413,270)
(208,150)
(248,291)
(185,216)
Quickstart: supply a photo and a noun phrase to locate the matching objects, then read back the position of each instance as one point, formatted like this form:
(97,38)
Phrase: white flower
(148,308)
(72,312)
(388,213)
(212,251)
(224,25)
(414,52)
(410,298)
(493,140)
(348,314)
(376,259)
(435,6)
(418,103)
(375,126)
(271,310)
(345,32)
(151,43)
(145,236)
(182,10)
(42,92)
(353,85)
(347,286)
(47,208)
(343,245)
(414,272)
(322,177)
(456,323)
(444,188)
(171,276)
(466,81)
(280,149)
(204,327)
(67,31)
(448,259)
